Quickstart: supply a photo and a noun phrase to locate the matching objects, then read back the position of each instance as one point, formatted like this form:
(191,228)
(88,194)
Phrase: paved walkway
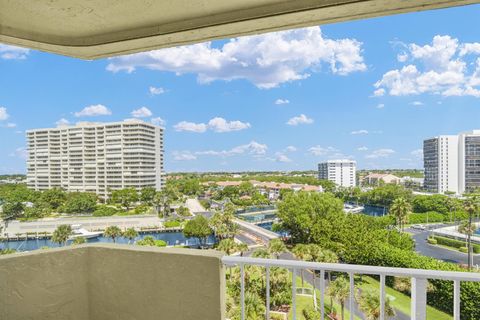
(89,223)
(194,206)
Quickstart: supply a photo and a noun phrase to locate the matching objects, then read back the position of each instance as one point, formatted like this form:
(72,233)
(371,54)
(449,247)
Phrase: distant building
(96,157)
(452,162)
(341,172)
(377,178)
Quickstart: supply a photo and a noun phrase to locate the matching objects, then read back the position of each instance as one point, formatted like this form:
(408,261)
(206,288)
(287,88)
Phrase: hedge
(104,211)
(433,216)
(380,254)
(455,243)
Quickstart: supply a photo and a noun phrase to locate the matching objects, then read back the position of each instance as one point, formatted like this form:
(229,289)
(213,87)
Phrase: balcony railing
(419,280)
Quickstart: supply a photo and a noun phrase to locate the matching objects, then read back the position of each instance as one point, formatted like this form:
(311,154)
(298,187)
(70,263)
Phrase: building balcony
(112,282)
(105,281)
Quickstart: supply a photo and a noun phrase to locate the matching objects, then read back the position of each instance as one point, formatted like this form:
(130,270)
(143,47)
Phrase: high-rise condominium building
(342,172)
(452,162)
(96,157)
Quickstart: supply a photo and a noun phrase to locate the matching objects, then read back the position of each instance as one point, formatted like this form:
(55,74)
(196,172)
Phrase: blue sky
(370,90)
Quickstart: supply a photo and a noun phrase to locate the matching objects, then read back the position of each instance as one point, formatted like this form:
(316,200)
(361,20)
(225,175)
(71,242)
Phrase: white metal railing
(419,280)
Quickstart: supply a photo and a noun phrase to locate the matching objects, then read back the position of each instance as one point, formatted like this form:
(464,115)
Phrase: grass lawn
(400,301)
(307,301)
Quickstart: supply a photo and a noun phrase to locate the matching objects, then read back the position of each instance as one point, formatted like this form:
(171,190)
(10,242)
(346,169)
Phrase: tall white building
(452,163)
(96,157)
(342,172)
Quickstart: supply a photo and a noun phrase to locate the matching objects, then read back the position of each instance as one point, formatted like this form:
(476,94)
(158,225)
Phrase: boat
(78,231)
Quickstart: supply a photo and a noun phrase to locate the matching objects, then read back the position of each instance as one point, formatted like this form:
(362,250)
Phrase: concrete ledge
(100,28)
(107,281)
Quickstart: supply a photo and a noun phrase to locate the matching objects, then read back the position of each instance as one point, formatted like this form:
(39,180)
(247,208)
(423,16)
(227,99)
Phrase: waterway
(171,238)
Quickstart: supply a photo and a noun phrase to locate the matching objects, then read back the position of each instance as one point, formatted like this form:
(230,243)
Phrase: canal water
(171,238)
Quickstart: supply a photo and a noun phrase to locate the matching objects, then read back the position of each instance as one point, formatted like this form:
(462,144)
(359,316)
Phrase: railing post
(267,313)
(456,300)
(294,294)
(419,299)
(382,297)
(322,294)
(352,296)
(242,291)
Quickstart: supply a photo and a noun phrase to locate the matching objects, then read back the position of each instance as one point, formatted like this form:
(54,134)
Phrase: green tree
(400,209)
(61,234)
(124,197)
(261,253)
(112,232)
(300,211)
(471,206)
(80,202)
(55,198)
(12,210)
(242,248)
(79,240)
(147,194)
(276,247)
(340,291)
(199,228)
(302,252)
(130,234)
(369,303)
(228,246)
(183,211)
(151,242)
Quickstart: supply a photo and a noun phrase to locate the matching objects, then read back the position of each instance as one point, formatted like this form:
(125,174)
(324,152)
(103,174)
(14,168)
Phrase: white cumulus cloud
(190,126)
(266,60)
(380,153)
(445,67)
(183,156)
(290,149)
(380,106)
(216,124)
(62,122)
(361,131)
(9,52)
(3,113)
(282,101)
(158,121)
(21,153)
(301,119)
(142,112)
(94,110)
(221,125)
(253,148)
(280,157)
(362,148)
(10,125)
(156,90)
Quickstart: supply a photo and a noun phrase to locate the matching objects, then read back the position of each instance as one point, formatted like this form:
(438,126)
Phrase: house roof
(102,28)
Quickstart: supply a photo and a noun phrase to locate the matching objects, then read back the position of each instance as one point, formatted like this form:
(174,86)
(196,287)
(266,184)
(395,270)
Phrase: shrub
(463,249)
(433,216)
(456,243)
(151,242)
(172,224)
(104,211)
(432,241)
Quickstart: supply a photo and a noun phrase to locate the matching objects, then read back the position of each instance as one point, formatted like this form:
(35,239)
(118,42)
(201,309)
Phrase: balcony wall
(103,282)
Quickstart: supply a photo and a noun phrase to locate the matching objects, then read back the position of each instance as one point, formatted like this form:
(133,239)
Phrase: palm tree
(302,252)
(471,207)
(112,232)
(369,303)
(61,234)
(130,234)
(242,248)
(340,291)
(261,253)
(276,247)
(400,209)
(228,246)
(318,254)
(79,240)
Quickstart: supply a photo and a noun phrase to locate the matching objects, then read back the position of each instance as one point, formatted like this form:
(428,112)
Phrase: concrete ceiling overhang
(91,29)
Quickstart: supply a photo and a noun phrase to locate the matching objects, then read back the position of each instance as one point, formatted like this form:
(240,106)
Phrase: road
(426,249)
